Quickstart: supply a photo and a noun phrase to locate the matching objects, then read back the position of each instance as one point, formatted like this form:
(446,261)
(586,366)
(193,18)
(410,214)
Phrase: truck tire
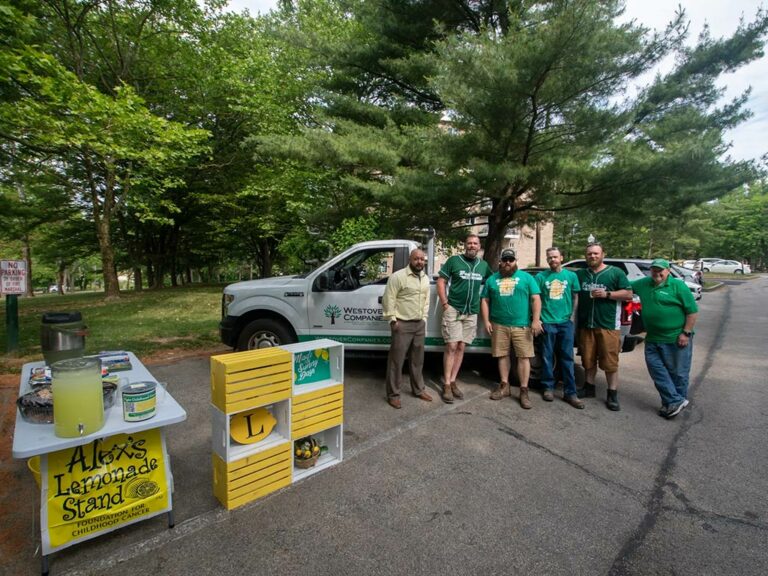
(264,333)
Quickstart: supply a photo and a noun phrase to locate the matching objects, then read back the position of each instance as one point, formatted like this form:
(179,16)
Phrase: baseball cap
(660,263)
(508,254)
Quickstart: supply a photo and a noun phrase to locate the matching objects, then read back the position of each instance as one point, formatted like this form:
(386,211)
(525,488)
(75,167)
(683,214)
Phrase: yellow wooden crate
(253,477)
(243,380)
(316,411)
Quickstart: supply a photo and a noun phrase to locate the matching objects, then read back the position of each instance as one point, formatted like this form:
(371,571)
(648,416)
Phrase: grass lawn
(142,322)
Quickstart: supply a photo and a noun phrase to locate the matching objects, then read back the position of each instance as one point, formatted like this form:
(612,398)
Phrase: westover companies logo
(351,315)
(332,311)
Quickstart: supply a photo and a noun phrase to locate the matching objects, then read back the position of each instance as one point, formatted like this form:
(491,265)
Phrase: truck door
(345,300)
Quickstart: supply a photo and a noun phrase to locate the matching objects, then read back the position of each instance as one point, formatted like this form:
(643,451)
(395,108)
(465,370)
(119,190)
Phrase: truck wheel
(264,333)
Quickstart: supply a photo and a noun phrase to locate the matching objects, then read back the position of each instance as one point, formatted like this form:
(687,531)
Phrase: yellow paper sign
(103,485)
(251,426)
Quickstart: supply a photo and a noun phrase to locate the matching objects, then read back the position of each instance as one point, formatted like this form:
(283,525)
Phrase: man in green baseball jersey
(602,288)
(465,274)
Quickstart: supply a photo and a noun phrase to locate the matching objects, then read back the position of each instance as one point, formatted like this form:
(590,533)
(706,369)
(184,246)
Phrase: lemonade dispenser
(78,400)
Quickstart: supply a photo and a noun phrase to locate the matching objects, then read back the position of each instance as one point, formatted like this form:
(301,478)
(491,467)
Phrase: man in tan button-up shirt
(406,305)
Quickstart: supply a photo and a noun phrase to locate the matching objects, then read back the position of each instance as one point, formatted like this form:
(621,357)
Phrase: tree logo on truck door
(332,311)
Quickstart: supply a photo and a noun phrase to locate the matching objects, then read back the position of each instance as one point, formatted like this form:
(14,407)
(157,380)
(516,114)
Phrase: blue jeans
(669,367)
(557,342)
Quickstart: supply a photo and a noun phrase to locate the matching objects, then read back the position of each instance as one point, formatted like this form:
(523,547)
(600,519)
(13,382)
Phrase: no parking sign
(13,277)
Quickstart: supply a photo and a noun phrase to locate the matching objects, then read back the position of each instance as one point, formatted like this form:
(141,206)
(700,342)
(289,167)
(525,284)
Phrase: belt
(403,320)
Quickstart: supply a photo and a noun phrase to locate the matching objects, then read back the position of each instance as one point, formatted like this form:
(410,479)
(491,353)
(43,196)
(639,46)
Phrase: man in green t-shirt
(559,302)
(465,273)
(602,288)
(510,307)
(669,315)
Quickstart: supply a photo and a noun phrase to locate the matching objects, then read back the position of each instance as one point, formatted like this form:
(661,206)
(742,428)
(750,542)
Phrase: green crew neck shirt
(466,278)
(600,312)
(664,308)
(509,298)
(557,290)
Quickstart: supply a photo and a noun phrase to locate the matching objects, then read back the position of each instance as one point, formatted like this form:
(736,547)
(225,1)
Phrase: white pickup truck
(340,300)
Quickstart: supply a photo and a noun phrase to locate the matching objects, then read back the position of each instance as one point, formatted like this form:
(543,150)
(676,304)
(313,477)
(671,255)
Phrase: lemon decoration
(251,426)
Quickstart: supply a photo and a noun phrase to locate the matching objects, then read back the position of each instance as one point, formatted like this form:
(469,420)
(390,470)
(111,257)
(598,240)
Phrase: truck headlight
(226,300)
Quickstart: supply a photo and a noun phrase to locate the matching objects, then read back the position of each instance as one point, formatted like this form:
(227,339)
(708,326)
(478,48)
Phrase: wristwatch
(608,294)
(689,334)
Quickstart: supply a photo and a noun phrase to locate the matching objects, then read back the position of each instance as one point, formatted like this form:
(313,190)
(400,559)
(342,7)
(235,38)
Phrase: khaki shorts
(458,327)
(519,338)
(600,347)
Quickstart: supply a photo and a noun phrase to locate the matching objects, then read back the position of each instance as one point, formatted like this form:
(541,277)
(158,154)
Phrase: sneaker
(525,402)
(456,391)
(675,409)
(501,391)
(574,401)
(548,395)
(587,391)
(447,394)
(664,410)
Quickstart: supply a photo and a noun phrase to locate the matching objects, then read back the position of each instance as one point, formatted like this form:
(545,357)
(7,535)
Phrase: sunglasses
(507,259)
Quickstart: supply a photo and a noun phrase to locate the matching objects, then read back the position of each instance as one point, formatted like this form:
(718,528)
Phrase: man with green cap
(669,314)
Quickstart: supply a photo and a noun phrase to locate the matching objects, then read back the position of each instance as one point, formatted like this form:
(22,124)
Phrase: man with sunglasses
(602,288)
(466,274)
(510,306)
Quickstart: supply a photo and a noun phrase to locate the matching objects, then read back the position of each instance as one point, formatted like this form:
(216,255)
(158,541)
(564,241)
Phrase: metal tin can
(139,401)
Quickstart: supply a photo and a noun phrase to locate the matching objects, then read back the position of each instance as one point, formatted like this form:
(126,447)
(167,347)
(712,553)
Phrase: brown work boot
(501,391)
(574,401)
(456,392)
(525,402)
(548,395)
(447,394)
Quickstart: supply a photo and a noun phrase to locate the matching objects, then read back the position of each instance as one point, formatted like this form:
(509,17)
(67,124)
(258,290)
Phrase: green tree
(103,148)
(518,110)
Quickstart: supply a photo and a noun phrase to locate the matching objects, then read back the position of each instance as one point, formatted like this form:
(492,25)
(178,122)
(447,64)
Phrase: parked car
(701,263)
(727,267)
(687,274)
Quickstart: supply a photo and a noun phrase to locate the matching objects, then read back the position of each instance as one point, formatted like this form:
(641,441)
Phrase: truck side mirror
(321,283)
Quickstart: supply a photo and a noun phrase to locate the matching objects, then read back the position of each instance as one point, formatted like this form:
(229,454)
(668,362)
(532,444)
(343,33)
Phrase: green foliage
(353,230)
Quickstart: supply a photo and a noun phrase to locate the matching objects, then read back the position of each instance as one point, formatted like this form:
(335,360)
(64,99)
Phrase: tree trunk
(26,255)
(137,279)
(111,287)
(102,216)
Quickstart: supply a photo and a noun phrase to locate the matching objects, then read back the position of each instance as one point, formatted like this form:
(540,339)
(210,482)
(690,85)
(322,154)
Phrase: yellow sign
(251,426)
(101,486)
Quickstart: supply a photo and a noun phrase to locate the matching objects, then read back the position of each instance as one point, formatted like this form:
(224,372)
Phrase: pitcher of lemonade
(78,400)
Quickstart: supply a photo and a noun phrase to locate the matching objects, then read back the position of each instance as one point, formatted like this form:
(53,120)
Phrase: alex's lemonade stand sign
(311,366)
(101,486)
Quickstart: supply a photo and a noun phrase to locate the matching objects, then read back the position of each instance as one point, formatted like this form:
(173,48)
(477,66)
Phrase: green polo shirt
(509,298)
(664,308)
(557,290)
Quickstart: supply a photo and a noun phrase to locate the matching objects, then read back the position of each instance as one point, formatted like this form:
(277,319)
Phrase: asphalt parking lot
(477,487)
